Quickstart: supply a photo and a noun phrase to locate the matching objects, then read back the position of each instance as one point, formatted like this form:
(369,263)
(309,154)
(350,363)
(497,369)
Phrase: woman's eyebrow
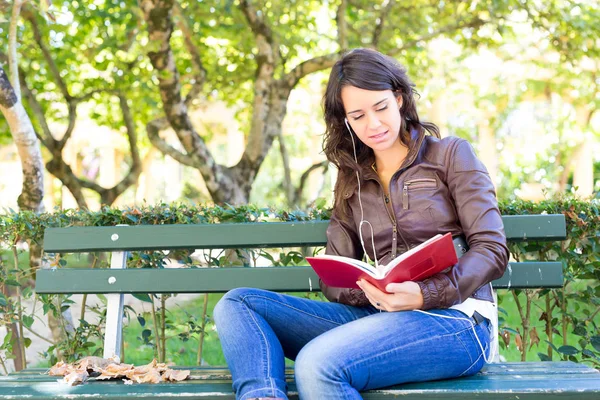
(374,105)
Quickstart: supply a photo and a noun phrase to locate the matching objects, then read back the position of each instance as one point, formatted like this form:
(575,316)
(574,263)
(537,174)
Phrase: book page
(375,273)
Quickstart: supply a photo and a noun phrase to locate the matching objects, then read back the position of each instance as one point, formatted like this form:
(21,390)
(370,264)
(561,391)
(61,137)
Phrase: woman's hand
(402,297)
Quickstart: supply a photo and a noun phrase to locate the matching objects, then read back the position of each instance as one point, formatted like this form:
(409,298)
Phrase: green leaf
(143,297)
(552,346)
(27,321)
(141,320)
(26,342)
(580,330)
(102,298)
(595,341)
(589,353)
(568,350)
(544,357)
(7,339)
(3,300)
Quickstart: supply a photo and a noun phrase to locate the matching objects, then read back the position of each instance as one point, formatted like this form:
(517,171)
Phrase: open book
(420,262)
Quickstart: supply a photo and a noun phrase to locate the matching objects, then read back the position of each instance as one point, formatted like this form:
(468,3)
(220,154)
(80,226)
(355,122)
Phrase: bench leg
(114,311)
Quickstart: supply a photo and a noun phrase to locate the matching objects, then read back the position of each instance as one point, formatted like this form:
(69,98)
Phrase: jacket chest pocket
(413,186)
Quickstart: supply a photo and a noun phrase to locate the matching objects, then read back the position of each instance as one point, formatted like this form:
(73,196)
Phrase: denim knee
(223,306)
(316,368)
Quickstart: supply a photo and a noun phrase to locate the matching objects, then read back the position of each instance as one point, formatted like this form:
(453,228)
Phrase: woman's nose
(374,122)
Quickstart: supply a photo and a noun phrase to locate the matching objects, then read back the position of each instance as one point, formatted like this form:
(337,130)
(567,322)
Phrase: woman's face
(374,115)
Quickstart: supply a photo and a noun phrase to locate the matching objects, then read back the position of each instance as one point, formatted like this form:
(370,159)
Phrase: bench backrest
(245,235)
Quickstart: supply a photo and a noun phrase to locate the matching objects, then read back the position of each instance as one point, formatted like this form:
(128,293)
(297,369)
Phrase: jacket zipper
(387,200)
(417,184)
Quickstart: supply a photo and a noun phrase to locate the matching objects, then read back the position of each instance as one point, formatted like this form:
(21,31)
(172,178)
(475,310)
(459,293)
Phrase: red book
(423,261)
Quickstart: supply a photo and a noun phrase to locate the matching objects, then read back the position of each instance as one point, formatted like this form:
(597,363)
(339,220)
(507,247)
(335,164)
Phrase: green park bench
(512,380)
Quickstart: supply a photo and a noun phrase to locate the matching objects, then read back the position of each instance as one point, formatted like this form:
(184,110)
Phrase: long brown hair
(369,70)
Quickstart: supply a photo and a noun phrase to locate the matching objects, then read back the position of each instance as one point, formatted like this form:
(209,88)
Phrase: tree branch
(298,194)
(8,98)
(342,25)
(287,173)
(47,139)
(308,67)
(47,56)
(13,59)
(385,10)
(256,21)
(200,75)
(477,22)
(266,59)
(153,129)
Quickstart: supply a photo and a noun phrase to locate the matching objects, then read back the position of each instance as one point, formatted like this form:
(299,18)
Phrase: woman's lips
(379,136)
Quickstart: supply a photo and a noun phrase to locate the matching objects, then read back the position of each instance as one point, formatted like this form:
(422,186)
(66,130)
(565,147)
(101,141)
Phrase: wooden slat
(219,280)
(248,235)
(208,236)
(535,227)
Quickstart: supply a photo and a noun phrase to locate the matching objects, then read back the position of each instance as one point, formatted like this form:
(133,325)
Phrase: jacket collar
(416,148)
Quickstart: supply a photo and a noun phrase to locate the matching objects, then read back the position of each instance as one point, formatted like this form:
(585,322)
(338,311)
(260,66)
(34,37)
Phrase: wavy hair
(369,70)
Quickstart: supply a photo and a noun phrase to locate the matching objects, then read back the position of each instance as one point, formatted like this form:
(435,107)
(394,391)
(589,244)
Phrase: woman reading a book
(398,185)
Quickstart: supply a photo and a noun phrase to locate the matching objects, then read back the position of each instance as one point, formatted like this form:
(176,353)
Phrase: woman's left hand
(402,297)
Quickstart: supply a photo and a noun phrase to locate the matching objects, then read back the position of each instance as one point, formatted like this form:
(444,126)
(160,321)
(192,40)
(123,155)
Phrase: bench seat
(525,381)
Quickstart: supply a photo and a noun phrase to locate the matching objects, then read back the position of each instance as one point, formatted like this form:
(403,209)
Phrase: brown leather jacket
(441,187)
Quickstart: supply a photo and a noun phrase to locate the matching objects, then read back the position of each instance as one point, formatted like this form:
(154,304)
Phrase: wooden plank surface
(532,381)
(220,280)
(248,235)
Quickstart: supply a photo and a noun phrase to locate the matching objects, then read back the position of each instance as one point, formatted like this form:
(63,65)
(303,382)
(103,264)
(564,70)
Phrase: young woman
(398,185)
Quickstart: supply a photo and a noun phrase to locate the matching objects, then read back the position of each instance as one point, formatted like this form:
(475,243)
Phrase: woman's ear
(400,101)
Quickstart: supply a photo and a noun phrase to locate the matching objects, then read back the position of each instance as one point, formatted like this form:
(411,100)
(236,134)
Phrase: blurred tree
(569,64)
(68,70)
(267,46)
(30,155)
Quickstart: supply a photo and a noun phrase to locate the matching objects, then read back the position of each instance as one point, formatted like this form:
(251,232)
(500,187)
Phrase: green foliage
(570,315)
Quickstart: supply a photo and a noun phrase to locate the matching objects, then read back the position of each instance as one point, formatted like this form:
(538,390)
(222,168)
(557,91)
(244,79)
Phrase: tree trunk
(30,154)
(28,146)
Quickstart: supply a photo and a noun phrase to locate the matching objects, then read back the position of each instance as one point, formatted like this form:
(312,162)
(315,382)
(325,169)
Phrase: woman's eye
(357,118)
(382,108)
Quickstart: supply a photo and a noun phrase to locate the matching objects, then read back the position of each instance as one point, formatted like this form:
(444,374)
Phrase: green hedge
(568,319)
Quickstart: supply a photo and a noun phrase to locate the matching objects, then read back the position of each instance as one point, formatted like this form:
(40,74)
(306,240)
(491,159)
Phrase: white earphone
(362,213)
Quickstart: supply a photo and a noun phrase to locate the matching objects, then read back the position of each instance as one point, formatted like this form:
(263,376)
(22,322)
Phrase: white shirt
(488,310)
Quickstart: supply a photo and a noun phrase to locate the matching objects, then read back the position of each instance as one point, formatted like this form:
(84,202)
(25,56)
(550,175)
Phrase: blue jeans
(339,350)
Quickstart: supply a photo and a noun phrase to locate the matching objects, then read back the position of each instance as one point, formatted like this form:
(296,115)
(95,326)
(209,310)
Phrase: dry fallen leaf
(506,337)
(171,375)
(59,369)
(152,376)
(75,377)
(519,341)
(153,372)
(93,363)
(535,339)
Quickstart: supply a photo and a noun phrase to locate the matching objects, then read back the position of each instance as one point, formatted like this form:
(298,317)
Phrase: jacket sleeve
(477,208)
(342,240)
